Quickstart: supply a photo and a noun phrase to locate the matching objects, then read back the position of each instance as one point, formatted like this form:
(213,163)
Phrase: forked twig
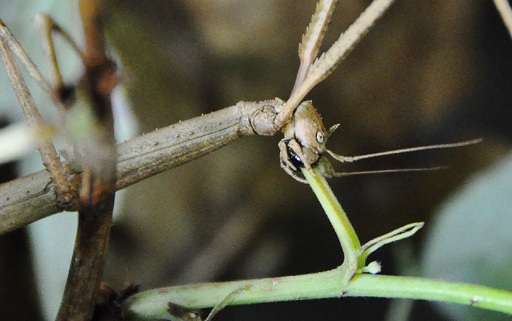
(390,237)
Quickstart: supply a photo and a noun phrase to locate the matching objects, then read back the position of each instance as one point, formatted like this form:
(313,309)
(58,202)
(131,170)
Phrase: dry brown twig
(98,158)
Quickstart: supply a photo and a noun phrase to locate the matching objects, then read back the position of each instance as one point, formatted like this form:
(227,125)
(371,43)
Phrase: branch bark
(97,153)
(33,197)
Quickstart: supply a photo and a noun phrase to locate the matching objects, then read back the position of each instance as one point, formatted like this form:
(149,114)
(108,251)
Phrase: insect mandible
(305,139)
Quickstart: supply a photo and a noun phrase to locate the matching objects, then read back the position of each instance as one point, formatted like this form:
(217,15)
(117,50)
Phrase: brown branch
(33,197)
(94,55)
(98,180)
(87,263)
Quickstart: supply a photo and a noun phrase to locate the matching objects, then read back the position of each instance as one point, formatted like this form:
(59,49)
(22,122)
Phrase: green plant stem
(346,234)
(340,282)
(150,305)
(364,285)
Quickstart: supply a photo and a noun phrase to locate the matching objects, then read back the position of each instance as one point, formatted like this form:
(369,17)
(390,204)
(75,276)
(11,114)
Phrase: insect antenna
(349,159)
(383,171)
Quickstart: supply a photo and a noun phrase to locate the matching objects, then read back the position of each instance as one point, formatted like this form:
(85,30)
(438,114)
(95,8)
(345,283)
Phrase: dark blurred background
(429,72)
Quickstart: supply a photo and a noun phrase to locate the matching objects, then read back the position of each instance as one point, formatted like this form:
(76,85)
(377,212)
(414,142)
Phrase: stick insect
(174,145)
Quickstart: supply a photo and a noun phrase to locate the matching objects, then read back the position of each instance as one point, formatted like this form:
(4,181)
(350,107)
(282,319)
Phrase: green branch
(346,234)
(151,305)
(386,286)
(340,282)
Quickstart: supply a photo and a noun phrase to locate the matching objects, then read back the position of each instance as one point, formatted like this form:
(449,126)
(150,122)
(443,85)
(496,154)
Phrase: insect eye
(320,137)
